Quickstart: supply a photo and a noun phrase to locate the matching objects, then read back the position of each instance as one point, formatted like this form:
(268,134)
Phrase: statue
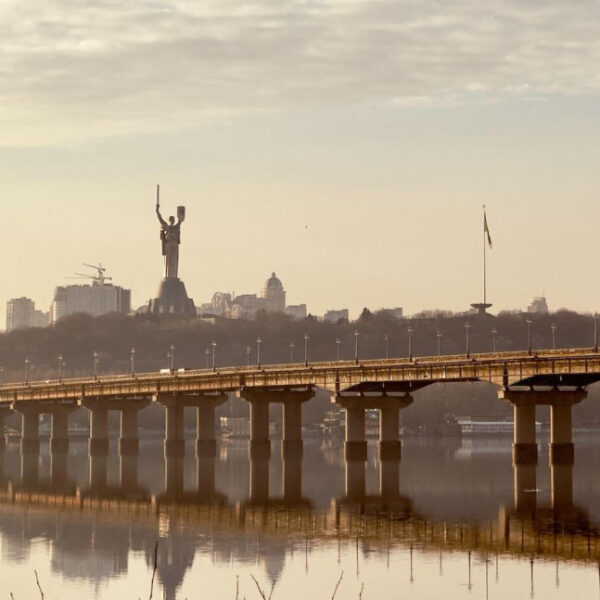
(170,236)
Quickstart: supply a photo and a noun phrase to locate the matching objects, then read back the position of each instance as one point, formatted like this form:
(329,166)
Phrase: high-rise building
(21,312)
(538,306)
(96,299)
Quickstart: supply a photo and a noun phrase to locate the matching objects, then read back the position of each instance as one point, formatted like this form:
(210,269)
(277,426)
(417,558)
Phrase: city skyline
(362,183)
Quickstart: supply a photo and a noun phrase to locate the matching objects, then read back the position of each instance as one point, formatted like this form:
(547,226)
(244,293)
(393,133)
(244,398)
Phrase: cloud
(72,70)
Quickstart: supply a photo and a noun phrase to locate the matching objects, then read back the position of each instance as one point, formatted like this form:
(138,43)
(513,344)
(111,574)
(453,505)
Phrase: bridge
(557,378)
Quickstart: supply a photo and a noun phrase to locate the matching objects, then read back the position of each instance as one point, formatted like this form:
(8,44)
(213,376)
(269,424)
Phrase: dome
(273,283)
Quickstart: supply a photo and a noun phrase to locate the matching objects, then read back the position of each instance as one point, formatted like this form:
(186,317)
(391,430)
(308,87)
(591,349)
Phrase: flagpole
(484,271)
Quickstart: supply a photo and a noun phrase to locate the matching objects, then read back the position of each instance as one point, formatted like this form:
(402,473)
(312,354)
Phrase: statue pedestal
(172,299)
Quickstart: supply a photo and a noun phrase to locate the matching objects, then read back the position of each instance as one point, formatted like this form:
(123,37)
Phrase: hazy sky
(347,145)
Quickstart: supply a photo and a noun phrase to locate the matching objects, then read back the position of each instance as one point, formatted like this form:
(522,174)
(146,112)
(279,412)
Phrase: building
(538,306)
(96,299)
(296,311)
(397,312)
(21,313)
(333,316)
(245,306)
(273,295)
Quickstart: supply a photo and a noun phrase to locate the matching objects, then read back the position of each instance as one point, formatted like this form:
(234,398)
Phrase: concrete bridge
(555,378)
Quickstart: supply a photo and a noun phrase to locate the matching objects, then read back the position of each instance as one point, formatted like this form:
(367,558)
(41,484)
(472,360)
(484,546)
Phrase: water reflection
(247,510)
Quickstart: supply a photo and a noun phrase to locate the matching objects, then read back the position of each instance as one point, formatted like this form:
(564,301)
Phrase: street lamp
(306,349)
(410,332)
(529,321)
(207,355)
(214,347)
(337,348)
(60,365)
(258,341)
(438,335)
(132,361)
(26,370)
(494,334)
(95,362)
(248,349)
(172,356)
(596,315)
(356,334)
(467,348)
(553,328)
(291,352)
(386,339)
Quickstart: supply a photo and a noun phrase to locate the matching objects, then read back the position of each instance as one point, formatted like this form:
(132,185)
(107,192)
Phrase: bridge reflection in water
(115,516)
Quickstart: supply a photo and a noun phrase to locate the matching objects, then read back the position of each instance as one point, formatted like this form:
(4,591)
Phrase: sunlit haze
(346,145)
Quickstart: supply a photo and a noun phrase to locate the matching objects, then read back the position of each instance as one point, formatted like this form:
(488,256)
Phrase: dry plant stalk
(154,570)
(38,584)
(337,585)
(259,588)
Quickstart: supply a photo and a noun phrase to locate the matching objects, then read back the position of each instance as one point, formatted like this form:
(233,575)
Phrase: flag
(486,229)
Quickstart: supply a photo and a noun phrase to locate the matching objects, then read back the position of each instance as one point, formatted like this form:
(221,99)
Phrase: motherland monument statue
(172,297)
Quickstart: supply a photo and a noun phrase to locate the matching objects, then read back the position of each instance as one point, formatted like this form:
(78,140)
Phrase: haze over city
(348,146)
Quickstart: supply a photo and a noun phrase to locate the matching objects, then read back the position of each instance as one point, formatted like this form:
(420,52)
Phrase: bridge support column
(174,441)
(98,465)
(30,430)
(561,486)
(561,427)
(206,443)
(59,433)
(205,475)
(524,441)
(355,446)
(129,443)
(292,446)
(4,412)
(292,479)
(128,471)
(259,479)
(390,446)
(98,442)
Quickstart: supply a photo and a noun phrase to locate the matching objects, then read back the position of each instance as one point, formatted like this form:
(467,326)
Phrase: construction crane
(98,279)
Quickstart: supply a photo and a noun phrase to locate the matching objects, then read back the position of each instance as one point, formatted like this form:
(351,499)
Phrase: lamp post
(60,366)
(172,356)
(337,348)
(95,362)
(207,356)
(214,347)
(132,361)
(306,338)
(528,321)
(467,347)
(553,328)
(386,339)
(494,334)
(248,349)
(291,352)
(596,315)
(258,341)
(410,332)
(356,334)
(26,370)
(438,335)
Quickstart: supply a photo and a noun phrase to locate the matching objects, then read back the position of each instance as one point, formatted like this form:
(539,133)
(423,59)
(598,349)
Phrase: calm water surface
(448,521)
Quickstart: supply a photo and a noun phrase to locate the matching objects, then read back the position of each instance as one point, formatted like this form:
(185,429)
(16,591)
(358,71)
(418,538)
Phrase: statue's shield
(181,213)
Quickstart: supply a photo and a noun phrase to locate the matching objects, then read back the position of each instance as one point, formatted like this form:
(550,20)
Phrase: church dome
(273,284)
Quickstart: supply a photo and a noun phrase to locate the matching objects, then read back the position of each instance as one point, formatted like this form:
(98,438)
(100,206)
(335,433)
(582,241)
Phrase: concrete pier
(98,441)
(98,471)
(561,486)
(292,400)
(355,480)
(389,478)
(205,475)
(59,433)
(292,480)
(174,475)
(4,413)
(30,430)
(561,402)
(355,444)
(174,443)
(129,442)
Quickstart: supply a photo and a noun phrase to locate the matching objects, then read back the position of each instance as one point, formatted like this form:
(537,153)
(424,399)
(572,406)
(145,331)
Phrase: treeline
(76,338)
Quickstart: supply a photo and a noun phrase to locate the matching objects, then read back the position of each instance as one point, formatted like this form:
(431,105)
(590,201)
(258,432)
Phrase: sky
(347,145)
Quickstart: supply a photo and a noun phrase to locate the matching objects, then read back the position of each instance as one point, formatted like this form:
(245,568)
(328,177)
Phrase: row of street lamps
(213,346)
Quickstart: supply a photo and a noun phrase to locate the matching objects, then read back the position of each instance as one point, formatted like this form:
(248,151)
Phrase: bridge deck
(573,367)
